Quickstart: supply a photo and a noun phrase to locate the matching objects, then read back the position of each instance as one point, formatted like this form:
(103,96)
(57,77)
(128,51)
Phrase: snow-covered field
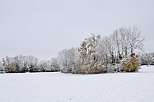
(59,87)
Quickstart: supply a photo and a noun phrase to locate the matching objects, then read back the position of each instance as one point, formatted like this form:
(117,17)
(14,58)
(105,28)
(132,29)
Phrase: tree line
(115,53)
(21,64)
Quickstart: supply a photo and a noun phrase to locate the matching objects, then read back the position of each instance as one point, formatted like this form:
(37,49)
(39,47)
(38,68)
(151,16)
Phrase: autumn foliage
(131,65)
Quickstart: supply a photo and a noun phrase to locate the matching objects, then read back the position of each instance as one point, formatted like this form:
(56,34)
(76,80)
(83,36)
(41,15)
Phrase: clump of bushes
(103,55)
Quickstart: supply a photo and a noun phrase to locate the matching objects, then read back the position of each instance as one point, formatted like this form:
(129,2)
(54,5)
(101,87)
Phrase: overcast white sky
(44,27)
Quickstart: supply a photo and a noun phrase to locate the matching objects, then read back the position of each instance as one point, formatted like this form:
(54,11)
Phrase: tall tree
(135,40)
(88,56)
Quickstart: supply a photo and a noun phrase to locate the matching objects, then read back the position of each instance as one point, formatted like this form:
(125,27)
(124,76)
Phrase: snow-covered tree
(124,44)
(1,67)
(147,59)
(54,65)
(108,54)
(10,64)
(135,40)
(102,49)
(20,63)
(43,66)
(48,66)
(31,63)
(88,56)
(67,60)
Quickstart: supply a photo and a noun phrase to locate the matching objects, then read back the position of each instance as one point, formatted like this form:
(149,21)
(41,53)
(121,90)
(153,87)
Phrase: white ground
(59,87)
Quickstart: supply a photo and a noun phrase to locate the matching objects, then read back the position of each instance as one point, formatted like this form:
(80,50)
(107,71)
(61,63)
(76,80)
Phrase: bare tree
(135,40)
(124,42)
(117,41)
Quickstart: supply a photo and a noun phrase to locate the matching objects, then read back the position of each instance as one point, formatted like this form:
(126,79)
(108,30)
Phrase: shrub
(131,65)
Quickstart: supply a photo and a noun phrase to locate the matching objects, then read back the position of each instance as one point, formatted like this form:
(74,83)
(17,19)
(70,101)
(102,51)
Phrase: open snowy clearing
(59,87)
